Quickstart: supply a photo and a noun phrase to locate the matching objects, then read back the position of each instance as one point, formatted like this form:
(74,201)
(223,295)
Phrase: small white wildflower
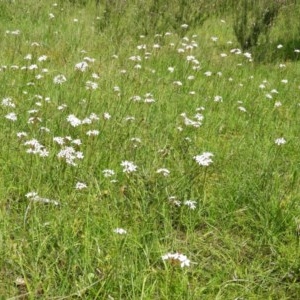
(108,173)
(174,201)
(70,155)
(33,196)
(184,26)
(33,67)
(59,140)
(190,204)
(190,57)
(204,159)
(106,116)
(280,141)
(149,99)
(95,76)
(81,66)
(248,55)
(73,120)
(129,118)
(92,132)
(120,231)
(90,85)
(285,81)
(42,58)
(80,186)
(136,98)
(46,129)
(208,73)
(165,172)
(21,134)
(76,142)
(89,59)
(28,57)
(11,116)
(61,107)
(135,58)
(279,46)
(59,79)
(181,259)
(34,147)
(171,69)
(178,83)
(243,109)
(269,96)
(128,166)
(278,104)
(7,102)
(218,99)
(86,121)
(214,38)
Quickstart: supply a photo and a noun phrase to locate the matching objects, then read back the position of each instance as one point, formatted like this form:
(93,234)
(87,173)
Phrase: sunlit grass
(157,167)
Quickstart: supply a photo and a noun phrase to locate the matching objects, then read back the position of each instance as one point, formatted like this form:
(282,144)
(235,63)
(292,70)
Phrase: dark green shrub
(254,18)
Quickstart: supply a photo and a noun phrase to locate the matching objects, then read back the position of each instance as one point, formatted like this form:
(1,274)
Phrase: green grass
(242,239)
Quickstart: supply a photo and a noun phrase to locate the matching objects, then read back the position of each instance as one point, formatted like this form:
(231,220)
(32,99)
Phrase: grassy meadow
(146,164)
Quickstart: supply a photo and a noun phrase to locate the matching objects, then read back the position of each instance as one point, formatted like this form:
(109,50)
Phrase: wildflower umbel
(120,231)
(128,166)
(280,141)
(204,159)
(177,258)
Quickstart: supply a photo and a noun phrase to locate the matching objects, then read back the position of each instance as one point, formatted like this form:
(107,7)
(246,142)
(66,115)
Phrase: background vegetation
(124,81)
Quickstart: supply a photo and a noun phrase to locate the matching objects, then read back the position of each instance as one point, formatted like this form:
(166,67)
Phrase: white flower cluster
(33,196)
(128,166)
(280,141)
(59,79)
(191,204)
(204,159)
(194,123)
(34,147)
(70,155)
(8,102)
(120,231)
(178,258)
(74,121)
(148,98)
(165,172)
